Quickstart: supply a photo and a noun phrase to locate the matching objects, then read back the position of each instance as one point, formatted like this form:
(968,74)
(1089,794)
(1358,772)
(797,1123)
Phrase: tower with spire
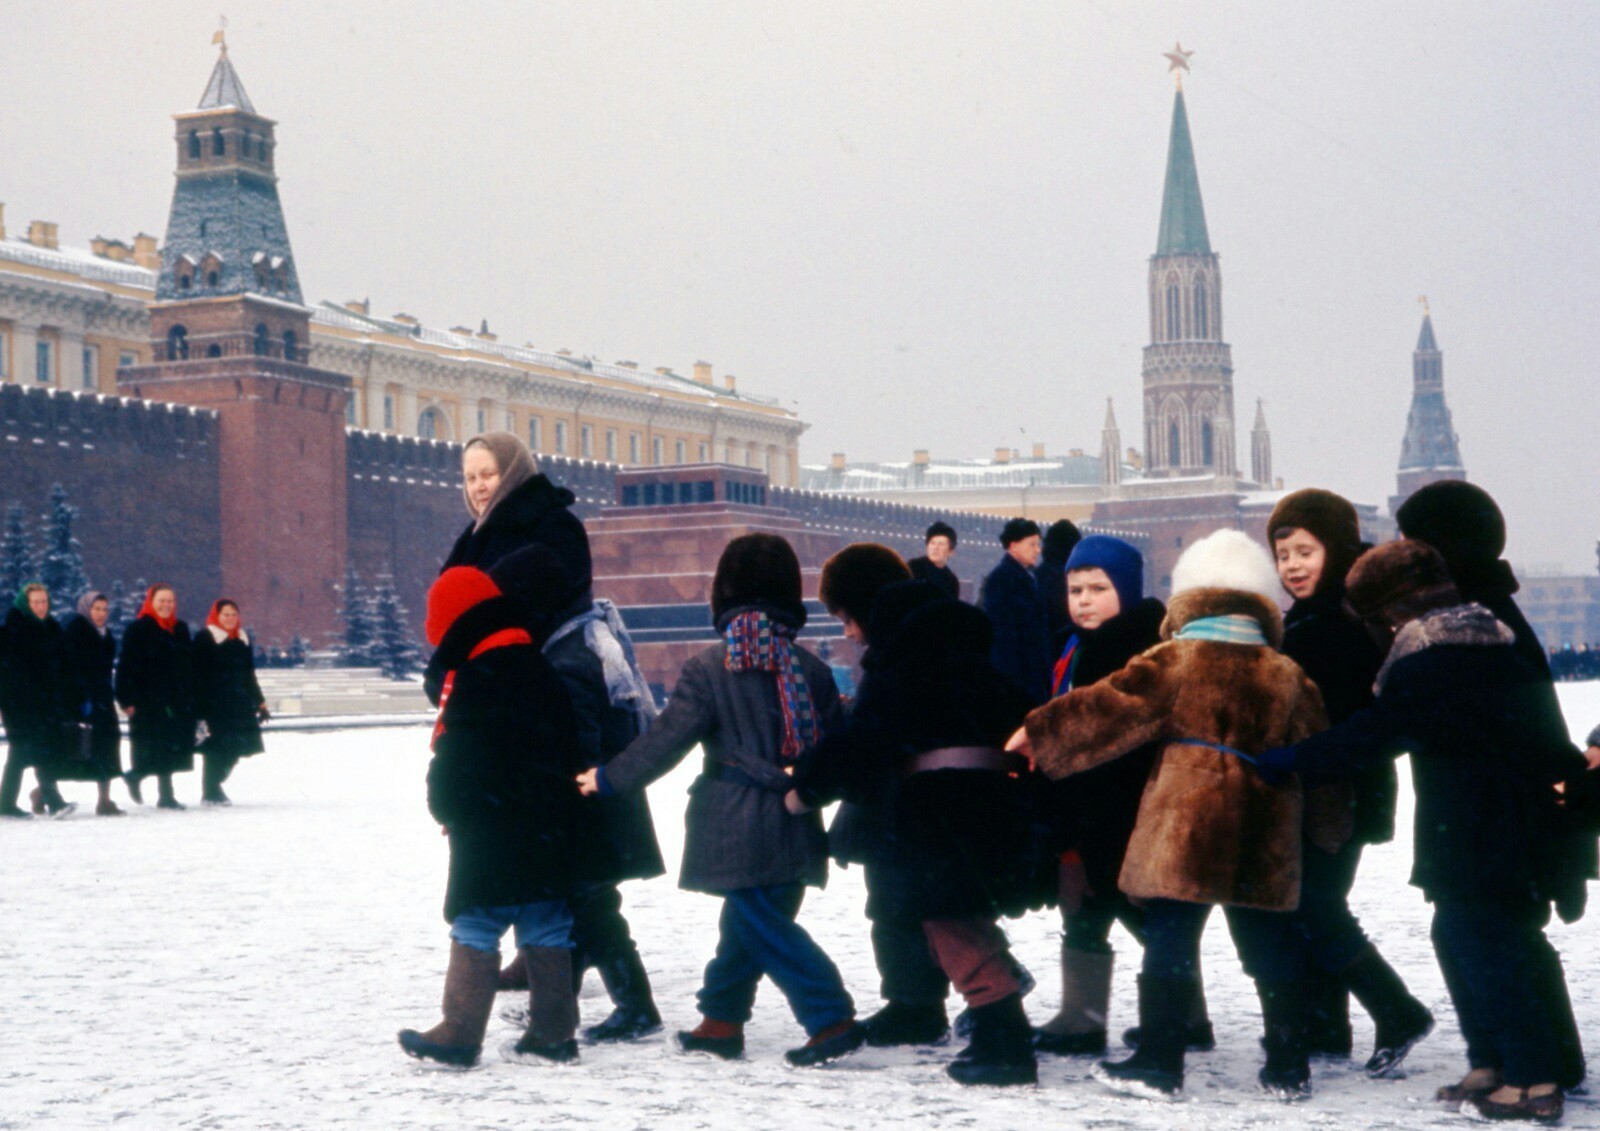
(1110,449)
(229,333)
(1261,448)
(1431,450)
(1188,367)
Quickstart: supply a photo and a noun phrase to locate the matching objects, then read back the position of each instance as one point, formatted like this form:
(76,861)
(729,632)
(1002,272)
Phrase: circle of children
(1148,764)
(182,693)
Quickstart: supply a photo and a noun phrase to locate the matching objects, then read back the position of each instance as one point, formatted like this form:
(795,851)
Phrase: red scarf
(148,609)
(505,638)
(214,618)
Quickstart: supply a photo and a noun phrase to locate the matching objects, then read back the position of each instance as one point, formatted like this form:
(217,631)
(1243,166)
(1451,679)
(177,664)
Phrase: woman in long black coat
(155,688)
(88,661)
(34,703)
(228,698)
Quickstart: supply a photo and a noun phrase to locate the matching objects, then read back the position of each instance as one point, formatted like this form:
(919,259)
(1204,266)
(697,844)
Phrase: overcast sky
(919,224)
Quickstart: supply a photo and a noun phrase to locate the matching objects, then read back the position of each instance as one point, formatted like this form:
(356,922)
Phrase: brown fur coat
(1209,829)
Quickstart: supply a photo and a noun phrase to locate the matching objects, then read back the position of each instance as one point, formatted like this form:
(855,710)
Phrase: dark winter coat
(33,694)
(1052,578)
(155,676)
(1210,828)
(1487,748)
(88,661)
(922,569)
(619,836)
(955,842)
(1010,595)
(505,755)
(227,695)
(1096,810)
(1342,660)
(738,833)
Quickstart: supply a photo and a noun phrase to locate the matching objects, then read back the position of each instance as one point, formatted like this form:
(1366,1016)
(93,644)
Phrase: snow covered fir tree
(394,649)
(62,570)
(356,609)
(16,552)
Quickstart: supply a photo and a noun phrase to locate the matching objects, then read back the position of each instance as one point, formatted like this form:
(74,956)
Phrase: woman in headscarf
(89,656)
(228,698)
(155,687)
(33,703)
(512,505)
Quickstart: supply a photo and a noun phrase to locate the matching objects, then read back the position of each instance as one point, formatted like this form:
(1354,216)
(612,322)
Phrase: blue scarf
(1233,629)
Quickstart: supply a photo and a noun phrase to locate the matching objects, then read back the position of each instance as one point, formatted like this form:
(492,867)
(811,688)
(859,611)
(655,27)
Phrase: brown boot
(515,974)
(1478,1082)
(468,997)
(1541,1103)
(552,1009)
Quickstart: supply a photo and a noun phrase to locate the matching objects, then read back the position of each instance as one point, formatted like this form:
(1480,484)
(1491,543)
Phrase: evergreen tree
(360,628)
(395,650)
(116,606)
(132,603)
(17,566)
(62,568)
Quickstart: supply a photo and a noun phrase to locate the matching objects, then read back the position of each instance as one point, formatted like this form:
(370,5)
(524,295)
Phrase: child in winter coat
(755,702)
(1493,848)
(954,846)
(505,750)
(1209,831)
(1112,623)
(1316,537)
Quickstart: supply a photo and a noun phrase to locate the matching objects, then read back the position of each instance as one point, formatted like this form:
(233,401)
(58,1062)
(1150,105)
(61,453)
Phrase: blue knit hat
(1123,565)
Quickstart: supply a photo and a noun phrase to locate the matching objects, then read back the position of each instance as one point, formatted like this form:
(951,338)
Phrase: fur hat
(1398,582)
(1017,529)
(852,578)
(1060,540)
(1123,564)
(1329,518)
(940,530)
(1227,559)
(1464,524)
(757,569)
(458,589)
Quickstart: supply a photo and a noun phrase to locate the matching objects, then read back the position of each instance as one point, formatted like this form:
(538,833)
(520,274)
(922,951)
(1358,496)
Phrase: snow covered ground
(249,967)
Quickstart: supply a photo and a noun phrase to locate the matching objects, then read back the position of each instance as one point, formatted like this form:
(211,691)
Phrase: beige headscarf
(516,466)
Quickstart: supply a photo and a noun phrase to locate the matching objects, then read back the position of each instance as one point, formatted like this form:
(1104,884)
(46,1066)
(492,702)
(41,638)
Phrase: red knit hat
(458,589)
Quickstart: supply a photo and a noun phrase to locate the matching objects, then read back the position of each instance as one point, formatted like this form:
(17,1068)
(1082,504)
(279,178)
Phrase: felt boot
(1080,1026)
(552,1009)
(468,996)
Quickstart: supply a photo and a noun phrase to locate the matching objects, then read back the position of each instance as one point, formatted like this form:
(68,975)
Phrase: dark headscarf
(85,603)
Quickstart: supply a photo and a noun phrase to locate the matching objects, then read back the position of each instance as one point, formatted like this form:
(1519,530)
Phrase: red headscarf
(148,608)
(214,617)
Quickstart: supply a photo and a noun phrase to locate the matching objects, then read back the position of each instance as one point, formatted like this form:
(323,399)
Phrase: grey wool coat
(738,833)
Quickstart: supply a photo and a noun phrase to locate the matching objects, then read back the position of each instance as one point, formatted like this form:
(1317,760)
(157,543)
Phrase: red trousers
(975,956)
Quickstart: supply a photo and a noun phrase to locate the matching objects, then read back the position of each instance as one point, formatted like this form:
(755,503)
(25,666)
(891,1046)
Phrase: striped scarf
(756,644)
(1234,629)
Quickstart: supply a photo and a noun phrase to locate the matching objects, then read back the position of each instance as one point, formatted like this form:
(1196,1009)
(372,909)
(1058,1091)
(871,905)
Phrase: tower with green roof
(1188,367)
(1431,451)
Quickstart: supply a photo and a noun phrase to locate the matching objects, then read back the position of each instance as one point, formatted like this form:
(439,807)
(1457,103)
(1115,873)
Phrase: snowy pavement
(248,967)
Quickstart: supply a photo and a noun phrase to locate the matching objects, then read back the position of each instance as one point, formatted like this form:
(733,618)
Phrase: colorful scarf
(757,644)
(1234,629)
(1061,675)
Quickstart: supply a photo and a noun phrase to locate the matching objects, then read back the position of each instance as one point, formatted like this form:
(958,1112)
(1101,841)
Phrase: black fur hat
(1465,525)
(1017,529)
(758,569)
(852,578)
(940,529)
(1061,539)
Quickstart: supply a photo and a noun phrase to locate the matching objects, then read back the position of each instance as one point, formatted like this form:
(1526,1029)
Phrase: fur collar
(221,636)
(1459,624)
(1192,604)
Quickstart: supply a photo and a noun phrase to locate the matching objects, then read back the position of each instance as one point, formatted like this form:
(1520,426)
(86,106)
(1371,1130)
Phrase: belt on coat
(1248,759)
(964,758)
(733,775)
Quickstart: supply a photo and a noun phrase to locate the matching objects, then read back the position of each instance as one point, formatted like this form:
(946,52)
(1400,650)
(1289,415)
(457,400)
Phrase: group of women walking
(182,693)
(1211,752)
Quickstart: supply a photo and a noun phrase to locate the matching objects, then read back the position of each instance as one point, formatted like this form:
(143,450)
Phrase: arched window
(290,346)
(1172,444)
(194,145)
(1201,314)
(213,278)
(1174,313)
(218,146)
(428,424)
(177,344)
(185,280)
(213,350)
(263,340)
(1208,455)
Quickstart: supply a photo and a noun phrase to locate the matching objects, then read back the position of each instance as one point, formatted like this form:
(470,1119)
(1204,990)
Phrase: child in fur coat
(1210,831)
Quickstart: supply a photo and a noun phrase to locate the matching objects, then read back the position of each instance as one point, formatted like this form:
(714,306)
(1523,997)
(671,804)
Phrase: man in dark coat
(34,702)
(505,749)
(934,565)
(1010,595)
(1494,849)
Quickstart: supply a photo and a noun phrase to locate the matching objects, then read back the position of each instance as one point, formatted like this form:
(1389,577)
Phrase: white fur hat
(1228,559)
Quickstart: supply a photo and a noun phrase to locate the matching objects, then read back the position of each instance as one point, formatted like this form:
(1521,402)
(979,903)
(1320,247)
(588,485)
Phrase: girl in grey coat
(753,702)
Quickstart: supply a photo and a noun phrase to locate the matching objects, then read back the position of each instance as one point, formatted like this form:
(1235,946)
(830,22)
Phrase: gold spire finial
(220,37)
(1423,299)
(1177,62)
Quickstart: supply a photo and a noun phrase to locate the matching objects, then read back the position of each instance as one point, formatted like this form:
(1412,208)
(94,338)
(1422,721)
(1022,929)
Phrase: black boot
(1401,1019)
(1287,1073)
(1155,1070)
(1198,1035)
(167,800)
(902,1023)
(1327,1016)
(635,1013)
(135,785)
(1001,1051)
(11,788)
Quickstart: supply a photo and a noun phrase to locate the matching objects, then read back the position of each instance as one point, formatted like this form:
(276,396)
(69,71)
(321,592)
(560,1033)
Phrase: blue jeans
(1268,946)
(546,923)
(758,935)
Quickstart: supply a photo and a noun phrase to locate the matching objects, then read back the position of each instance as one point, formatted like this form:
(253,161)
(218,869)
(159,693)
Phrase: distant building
(1563,608)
